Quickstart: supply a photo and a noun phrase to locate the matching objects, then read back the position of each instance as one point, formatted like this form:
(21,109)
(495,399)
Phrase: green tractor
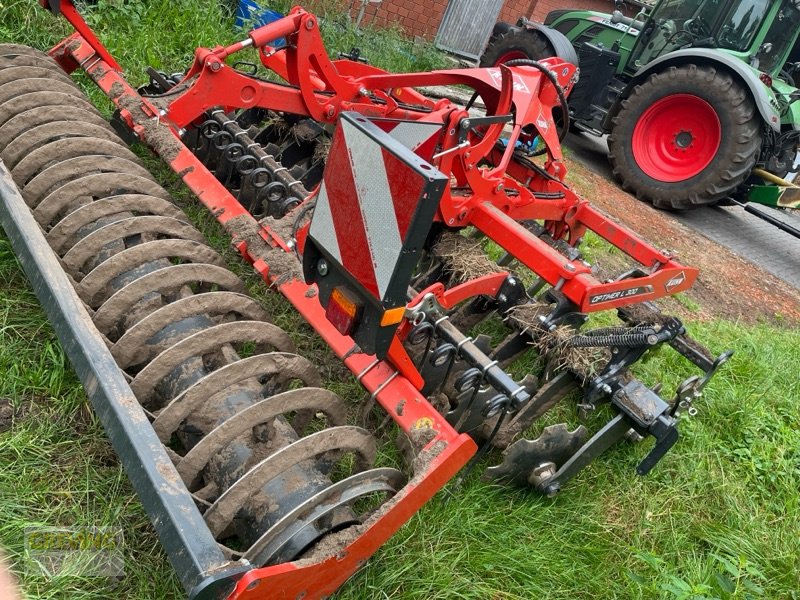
(694,94)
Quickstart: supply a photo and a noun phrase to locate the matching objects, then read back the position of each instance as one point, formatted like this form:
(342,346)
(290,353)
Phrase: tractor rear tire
(686,137)
(513,44)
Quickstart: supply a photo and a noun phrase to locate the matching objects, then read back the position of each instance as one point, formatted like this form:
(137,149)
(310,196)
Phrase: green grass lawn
(718,518)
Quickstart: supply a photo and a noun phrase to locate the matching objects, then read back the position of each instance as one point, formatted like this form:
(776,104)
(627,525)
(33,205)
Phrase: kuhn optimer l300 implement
(368,206)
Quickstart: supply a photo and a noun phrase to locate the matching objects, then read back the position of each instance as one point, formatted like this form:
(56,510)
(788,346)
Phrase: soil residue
(157,133)
(117,89)
(424,459)
(728,286)
(7,414)
(421,436)
(332,544)
(283,266)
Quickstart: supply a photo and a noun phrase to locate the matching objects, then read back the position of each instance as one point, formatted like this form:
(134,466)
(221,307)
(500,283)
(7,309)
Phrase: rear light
(766,79)
(342,311)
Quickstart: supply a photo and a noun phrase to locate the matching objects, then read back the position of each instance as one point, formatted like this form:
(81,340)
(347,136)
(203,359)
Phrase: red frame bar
(573,277)
(321,89)
(398,397)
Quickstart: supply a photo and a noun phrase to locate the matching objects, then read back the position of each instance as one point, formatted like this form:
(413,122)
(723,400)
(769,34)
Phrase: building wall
(415,17)
(422,18)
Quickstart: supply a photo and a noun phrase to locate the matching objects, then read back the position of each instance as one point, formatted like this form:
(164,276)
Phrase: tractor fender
(765,101)
(560,43)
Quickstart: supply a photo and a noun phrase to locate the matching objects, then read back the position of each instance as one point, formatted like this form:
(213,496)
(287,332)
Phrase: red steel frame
(321,89)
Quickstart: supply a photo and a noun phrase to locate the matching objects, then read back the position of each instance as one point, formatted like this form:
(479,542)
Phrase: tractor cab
(760,32)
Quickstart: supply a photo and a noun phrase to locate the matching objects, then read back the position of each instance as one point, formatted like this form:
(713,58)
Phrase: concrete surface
(747,235)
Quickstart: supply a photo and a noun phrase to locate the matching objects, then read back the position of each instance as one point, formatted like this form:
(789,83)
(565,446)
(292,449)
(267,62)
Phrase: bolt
(633,436)
(215,66)
(606,388)
(465,124)
(652,340)
(512,282)
(181,132)
(551,491)
(364,92)
(310,24)
(322,267)
(499,188)
(330,111)
(502,298)
(542,473)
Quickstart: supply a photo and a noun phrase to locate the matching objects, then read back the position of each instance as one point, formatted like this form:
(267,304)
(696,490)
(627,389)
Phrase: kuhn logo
(675,281)
(519,83)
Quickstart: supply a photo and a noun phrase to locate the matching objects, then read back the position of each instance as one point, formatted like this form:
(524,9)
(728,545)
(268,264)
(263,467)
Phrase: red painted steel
(451,449)
(676,138)
(492,199)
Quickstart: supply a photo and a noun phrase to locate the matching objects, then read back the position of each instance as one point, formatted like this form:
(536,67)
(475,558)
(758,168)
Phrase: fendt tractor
(369,207)
(694,94)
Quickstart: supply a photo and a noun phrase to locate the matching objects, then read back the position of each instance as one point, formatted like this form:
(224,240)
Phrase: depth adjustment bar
(493,374)
(294,187)
(429,309)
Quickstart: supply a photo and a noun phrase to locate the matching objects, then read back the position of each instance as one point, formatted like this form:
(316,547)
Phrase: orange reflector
(342,311)
(393,316)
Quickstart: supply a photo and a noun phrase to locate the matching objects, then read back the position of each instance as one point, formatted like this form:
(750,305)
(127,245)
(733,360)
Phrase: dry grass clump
(585,362)
(463,257)
(555,345)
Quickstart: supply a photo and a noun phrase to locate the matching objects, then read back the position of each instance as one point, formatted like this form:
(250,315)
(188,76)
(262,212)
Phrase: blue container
(250,15)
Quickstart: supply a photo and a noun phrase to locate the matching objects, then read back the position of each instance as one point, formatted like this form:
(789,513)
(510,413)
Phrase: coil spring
(176,321)
(624,337)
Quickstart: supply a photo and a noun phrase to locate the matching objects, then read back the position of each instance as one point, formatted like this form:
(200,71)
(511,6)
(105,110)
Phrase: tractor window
(590,35)
(566,26)
(741,24)
(780,38)
(676,24)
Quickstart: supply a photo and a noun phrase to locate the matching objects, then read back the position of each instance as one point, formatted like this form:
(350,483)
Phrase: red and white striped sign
(369,196)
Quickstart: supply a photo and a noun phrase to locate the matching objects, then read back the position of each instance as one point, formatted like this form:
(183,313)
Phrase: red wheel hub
(510,55)
(676,138)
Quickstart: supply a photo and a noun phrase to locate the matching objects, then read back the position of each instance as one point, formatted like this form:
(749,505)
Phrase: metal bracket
(467,124)
(692,388)
(649,414)
(427,309)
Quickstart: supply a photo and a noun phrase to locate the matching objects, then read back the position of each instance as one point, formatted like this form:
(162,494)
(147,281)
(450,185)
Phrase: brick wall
(422,18)
(415,17)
